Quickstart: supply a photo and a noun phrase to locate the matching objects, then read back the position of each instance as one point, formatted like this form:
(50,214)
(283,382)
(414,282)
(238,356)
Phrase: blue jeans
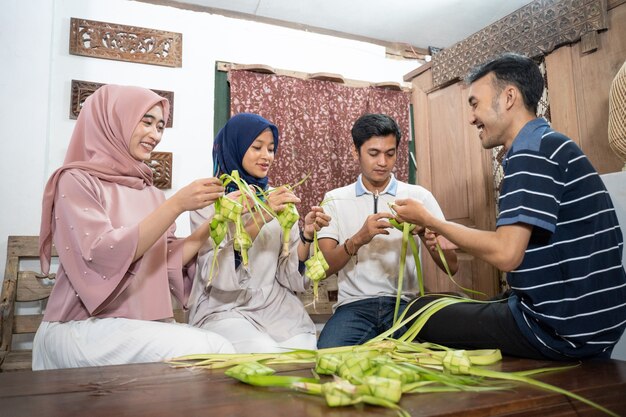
(359,321)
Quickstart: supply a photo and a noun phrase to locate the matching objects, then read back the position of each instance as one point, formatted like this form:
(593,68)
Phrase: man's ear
(512,96)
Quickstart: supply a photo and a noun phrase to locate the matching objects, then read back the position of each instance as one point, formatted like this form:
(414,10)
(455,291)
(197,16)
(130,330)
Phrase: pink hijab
(100,146)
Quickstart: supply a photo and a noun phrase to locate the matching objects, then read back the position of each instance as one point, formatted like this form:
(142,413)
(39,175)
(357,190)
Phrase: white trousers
(116,341)
(248,339)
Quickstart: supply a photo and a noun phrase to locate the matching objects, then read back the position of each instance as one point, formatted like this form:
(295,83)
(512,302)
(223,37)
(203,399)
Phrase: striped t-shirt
(569,292)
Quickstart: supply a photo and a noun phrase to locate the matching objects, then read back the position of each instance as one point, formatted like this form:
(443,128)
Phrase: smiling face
(377,157)
(147,134)
(260,155)
(487,111)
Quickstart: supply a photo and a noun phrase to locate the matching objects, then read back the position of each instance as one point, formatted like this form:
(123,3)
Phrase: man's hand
(412,211)
(431,239)
(418,230)
(375,224)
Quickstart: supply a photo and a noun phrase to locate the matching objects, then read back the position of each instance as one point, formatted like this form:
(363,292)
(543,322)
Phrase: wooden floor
(156,389)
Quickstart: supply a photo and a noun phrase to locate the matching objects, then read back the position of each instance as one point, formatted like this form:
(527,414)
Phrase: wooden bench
(24,290)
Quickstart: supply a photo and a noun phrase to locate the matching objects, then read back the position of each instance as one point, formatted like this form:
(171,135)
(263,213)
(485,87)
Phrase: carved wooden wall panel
(533,30)
(83,89)
(161,165)
(125,43)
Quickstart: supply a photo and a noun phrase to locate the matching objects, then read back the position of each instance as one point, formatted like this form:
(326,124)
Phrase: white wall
(37,70)
(25,29)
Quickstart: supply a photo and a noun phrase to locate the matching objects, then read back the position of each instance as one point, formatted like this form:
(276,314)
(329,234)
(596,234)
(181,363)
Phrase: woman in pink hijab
(119,261)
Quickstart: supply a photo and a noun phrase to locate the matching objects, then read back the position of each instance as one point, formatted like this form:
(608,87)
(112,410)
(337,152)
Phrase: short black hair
(516,69)
(374,124)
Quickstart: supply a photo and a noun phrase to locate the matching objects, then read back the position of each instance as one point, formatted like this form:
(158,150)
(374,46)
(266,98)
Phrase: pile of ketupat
(382,370)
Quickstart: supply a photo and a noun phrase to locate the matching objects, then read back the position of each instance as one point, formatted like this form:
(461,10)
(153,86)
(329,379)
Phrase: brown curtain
(314,119)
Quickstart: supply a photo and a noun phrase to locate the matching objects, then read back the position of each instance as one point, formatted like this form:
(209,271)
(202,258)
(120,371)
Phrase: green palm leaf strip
(457,362)
(447,268)
(407,239)
(418,264)
(406,231)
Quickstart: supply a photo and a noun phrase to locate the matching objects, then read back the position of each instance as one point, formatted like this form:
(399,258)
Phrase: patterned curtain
(314,119)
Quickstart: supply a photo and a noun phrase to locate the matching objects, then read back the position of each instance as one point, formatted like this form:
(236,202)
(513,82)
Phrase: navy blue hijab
(232,142)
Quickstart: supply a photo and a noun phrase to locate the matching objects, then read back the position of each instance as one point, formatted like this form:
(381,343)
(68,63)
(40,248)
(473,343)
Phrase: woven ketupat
(617,115)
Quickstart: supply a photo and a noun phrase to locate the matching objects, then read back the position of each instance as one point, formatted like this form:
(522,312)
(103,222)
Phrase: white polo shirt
(373,272)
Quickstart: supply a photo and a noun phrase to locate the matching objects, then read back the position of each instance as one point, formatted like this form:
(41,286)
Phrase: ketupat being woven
(316,267)
(617,115)
(287,218)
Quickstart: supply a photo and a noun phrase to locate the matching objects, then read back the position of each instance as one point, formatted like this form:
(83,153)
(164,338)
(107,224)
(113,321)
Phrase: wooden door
(452,164)
(578,88)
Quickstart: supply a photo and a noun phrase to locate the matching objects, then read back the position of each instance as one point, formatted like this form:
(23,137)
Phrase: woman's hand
(279,197)
(200,193)
(314,221)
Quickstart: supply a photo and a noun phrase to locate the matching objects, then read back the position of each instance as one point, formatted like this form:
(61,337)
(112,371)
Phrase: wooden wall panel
(597,71)
(456,169)
(419,99)
(561,92)
(449,172)
(485,278)
(533,30)
(579,85)
(448,153)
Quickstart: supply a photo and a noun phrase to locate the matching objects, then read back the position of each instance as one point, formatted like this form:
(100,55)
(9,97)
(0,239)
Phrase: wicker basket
(617,115)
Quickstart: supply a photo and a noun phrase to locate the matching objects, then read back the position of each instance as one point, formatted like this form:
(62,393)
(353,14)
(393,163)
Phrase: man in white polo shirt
(360,244)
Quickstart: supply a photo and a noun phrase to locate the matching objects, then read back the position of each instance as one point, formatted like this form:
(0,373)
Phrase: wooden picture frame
(80,90)
(125,43)
(161,165)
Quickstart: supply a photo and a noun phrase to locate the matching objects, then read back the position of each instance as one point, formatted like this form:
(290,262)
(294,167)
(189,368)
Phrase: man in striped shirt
(557,234)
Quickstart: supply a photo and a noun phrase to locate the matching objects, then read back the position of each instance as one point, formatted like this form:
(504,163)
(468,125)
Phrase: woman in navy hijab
(233,141)
(254,306)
